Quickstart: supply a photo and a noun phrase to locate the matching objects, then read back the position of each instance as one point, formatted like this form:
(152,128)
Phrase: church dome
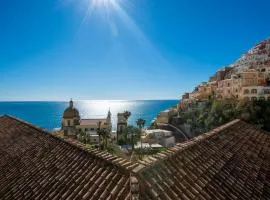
(71,112)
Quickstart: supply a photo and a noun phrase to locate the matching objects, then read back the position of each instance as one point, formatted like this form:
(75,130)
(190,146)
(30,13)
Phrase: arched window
(246,91)
(254,91)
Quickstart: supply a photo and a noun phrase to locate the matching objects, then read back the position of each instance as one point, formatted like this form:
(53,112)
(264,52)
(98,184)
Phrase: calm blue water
(48,114)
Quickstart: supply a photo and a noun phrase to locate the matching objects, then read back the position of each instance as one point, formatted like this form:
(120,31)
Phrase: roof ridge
(160,157)
(117,161)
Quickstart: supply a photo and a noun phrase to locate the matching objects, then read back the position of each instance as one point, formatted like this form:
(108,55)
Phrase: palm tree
(140,123)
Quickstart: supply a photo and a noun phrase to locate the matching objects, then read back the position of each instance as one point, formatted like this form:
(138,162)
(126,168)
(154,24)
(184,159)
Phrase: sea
(48,114)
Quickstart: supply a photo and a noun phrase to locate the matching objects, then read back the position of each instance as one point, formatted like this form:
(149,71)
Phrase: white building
(160,136)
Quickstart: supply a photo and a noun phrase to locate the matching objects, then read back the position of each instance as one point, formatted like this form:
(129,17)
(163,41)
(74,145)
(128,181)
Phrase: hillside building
(164,116)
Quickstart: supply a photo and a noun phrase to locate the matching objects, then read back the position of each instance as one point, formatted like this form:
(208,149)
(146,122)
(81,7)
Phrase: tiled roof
(37,165)
(230,162)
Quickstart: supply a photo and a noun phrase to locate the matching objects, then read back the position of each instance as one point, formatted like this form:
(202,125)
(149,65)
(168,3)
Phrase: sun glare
(101,3)
(115,14)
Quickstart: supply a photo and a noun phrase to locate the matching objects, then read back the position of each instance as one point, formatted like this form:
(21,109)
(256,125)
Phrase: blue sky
(121,49)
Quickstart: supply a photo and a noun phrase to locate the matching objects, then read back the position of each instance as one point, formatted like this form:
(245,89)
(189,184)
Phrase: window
(92,129)
(263,70)
(267,91)
(268,98)
(254,91)
(246,91)
(68,122)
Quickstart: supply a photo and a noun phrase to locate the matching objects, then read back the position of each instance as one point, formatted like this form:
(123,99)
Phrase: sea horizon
(48,114)
(2,101)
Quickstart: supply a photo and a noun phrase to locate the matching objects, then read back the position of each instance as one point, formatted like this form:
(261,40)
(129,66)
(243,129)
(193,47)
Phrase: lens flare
(116,15)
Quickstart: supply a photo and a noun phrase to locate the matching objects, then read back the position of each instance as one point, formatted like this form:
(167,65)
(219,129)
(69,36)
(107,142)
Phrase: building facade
(249,84)
(159,136)
(72,124)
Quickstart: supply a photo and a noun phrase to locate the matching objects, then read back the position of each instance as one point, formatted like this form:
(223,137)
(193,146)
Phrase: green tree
(133,135)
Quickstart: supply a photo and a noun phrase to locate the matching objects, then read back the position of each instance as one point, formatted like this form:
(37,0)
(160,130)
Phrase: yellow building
(253,78)
(165,116)
(228,88)
(204,91)
(243,85)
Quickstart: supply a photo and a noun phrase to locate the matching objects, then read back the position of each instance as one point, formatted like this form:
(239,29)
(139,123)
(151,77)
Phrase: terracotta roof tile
(36,165)
(229,162)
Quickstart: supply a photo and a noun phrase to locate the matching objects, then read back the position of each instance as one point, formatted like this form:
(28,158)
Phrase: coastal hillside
(240,90)
(257,58)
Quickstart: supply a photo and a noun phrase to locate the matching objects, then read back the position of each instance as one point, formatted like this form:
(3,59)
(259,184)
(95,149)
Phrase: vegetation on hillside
(216,113)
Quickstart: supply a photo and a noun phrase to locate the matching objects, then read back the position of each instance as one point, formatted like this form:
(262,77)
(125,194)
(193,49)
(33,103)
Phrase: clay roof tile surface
(229,162)
(36,165)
